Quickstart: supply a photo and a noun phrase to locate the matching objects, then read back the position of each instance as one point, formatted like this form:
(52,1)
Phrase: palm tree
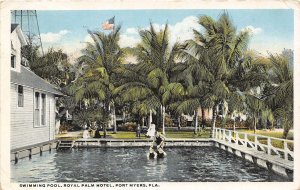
(279,94)
(195,76)
(216,53)
(255,106)
(151,83)
(96,86)
(236,105)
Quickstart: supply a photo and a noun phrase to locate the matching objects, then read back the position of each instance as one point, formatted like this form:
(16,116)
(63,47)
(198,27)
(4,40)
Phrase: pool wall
(86,143)
(28,151)
(271,163)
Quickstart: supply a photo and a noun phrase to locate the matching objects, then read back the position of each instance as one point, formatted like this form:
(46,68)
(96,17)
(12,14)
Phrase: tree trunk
(150,119)
(233,123)
(163,119)
(104,130)
(179,123)
(143,121)
(114,118)
(286,129)
(214,121)
(203,117)
(196,122)
(254,125)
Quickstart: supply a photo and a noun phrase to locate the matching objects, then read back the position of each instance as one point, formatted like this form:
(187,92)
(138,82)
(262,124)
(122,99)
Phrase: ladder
(65,144)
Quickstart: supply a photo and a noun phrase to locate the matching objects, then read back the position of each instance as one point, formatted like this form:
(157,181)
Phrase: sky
(272,30)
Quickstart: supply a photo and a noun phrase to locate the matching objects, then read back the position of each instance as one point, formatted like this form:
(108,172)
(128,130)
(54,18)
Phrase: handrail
(234,137)
(273,138)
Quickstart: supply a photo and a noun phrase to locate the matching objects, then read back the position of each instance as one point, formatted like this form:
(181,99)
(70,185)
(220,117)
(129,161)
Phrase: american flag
(109,24)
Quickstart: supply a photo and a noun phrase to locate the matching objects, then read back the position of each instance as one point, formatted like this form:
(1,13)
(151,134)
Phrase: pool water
(185,164)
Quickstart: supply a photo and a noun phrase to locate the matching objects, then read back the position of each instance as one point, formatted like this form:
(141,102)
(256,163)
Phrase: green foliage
(212,69)
(92,91)
(54,66)
(148,84)
(129,126)
(279,92)
(168,121)
(183,121)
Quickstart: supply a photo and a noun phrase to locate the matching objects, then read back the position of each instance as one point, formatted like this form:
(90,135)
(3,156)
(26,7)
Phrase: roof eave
(21,36)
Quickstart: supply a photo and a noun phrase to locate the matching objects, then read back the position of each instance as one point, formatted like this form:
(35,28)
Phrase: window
(13,61)
(43,110)
(20,96)
(39,109)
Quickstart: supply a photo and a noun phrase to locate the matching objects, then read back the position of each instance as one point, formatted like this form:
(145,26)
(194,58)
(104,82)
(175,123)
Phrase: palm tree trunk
(104,130)
(150,119)
(179,122)
(143,121)
(214,121)
(163,119)
(203,117)
(233,123)
(114,118)
(196,121)
(286,129)
(254,125)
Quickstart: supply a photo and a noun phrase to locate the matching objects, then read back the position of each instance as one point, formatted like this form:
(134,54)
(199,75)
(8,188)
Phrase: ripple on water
(203,164)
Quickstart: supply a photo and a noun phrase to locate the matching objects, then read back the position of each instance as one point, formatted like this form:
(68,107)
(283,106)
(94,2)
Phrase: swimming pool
(182,164)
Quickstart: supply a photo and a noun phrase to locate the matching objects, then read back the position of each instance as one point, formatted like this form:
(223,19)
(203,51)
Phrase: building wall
(15,41)
(23,131)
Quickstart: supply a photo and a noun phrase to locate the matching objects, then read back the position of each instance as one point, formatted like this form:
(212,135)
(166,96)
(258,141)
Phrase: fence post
(223,134)
(269,145)
(215,135)
(237,138)
(285,147)
(255,142)
(246,139)
(230,136)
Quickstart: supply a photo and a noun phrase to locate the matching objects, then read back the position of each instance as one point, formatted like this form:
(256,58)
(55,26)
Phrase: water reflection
(201,164)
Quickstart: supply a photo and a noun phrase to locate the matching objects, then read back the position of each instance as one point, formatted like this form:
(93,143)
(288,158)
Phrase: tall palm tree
(217,51)
(151,83)
(255,106)
(279,95)
(195,76)
(97,84)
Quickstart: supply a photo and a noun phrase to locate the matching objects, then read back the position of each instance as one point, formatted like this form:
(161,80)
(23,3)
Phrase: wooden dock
(28,151)
(264,155)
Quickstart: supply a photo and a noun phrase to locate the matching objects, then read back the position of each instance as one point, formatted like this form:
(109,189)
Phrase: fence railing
(270,145)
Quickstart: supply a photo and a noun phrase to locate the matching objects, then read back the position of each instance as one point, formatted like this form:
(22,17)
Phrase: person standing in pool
(157,146)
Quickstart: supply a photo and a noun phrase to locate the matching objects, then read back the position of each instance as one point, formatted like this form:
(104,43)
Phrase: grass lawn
(187,134)
(169,134)
(125,135)
(276,134)
(69,136)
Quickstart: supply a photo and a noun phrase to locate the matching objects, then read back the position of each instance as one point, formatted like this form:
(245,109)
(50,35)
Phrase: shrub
(65,127)
(129,126)
(168,121)
(183,121)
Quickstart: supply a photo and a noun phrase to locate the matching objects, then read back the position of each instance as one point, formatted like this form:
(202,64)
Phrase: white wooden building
(32,100)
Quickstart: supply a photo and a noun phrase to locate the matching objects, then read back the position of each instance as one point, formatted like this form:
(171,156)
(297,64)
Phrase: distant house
(32,100)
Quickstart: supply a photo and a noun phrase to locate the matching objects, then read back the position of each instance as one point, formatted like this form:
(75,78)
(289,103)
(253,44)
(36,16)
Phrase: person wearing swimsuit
(157,146)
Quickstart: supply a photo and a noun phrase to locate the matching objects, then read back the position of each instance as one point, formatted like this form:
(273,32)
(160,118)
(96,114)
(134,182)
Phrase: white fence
(257,142)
